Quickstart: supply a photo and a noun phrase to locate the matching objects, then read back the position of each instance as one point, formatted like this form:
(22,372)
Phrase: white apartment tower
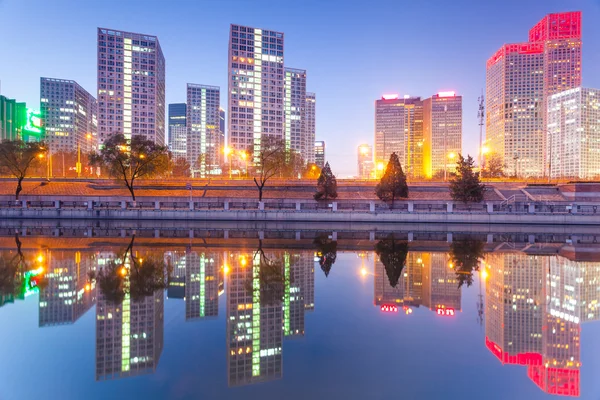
(131,85)
(574,134)
(204,152)
(311,102)
(295,111)
(70,115)
(255,86)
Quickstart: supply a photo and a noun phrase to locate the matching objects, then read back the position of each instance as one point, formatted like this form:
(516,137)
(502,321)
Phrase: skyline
(337,68)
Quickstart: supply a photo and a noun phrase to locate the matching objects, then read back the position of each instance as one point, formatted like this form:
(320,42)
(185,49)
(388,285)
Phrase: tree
(270,159)
(133,159)
(143,277)
(393,182)
(326,251)
(311,171)
(392,254)
(465,186)
(326,184)
(180,168)
(464,256)
(494,166)
(17,157)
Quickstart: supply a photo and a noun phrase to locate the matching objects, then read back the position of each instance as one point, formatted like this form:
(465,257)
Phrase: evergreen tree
(326,184)
(326,251)
(465,255)
(393,182)
(465,186)
(392,254)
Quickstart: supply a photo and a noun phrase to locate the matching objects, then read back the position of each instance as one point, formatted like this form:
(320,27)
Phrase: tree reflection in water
(271,276)
(128,274)
(326,251)
(392,253)
(464,256)
(11,266)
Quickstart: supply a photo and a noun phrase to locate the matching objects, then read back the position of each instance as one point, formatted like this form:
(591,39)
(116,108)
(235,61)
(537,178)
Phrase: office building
(311,113)
(365,161)
(70,116)
(573,138)
(69,294)
(320,153)
(203,284)
(176,262)
(178,130)
(13,116)
(295,111)
(222,128)
(442,133)
(256,86)
(254,323)
(399,129)
(520,77)
(203,124)
(440,286)
(131,86)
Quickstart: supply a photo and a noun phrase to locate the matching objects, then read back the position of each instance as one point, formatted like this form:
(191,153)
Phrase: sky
(353,51)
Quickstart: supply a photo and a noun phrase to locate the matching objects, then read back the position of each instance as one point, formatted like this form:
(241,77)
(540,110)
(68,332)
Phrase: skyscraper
(399,129)
(574,134)
(311,103)
(365,161)
(178,130)
(295,111)
(203,123)
(442,133)
(256,86)
(520,78)
(70,115)
(131,85)
(203,282)
(320,153)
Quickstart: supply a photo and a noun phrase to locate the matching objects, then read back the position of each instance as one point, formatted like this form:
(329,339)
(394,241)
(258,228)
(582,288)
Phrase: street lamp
(380,167)
(227,150)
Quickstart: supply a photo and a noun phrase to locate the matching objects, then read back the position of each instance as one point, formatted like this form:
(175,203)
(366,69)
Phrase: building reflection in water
(535,300)
(426,279)
(268,294)
(535,305)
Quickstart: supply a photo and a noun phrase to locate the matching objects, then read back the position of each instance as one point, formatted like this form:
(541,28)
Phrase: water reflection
(534,298)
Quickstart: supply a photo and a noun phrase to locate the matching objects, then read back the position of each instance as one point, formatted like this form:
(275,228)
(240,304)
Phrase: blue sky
(353,50)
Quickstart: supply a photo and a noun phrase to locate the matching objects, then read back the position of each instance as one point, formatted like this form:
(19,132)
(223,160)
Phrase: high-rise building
(131,85)
(440,286)
(70,116)
(399,129)
(256,86)
(129,334)
(68,294)
(203,283)
(311,105)
(520,78)
(13,116)
(222,128)
(320,153)
(178,130)
(176,260)
(203,123)
(295,111)
(442,133)
(365,161)
(574,134)
(254,324)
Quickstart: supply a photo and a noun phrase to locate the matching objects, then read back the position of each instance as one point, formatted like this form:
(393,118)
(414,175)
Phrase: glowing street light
(363,271)
(484,274)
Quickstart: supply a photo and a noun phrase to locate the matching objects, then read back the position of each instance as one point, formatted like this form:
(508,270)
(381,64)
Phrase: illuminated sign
(389,308)
(390,96)
(445,311)
(446,94)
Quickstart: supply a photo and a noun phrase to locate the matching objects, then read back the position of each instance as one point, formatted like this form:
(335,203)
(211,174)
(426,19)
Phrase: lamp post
(227,150)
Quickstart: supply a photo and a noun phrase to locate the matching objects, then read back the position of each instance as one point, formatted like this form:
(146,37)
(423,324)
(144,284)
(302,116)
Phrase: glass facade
(204,137)
(178,129)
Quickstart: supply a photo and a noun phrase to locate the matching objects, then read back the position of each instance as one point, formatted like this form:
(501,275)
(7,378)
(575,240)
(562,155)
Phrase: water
(289,312)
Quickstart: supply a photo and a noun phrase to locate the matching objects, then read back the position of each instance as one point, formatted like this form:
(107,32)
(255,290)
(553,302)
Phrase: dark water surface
(299,313)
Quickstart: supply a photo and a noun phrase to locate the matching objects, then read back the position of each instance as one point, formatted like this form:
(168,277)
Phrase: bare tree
(269,160)
(133,159)
(17,156)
